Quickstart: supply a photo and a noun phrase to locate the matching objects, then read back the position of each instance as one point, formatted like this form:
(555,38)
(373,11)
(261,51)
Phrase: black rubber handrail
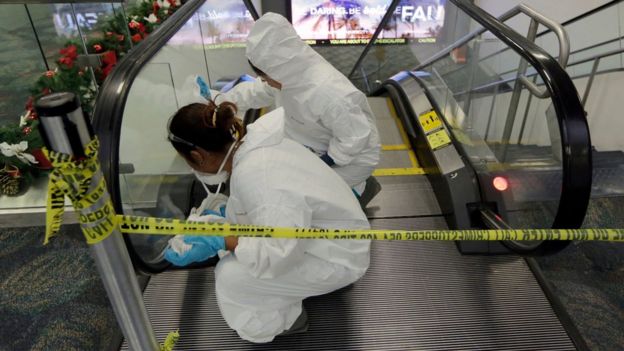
(573,128)
(111,102)
(373,39)
(252,9)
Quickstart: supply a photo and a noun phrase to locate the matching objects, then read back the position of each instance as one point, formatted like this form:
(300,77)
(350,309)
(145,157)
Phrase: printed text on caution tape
(162,226)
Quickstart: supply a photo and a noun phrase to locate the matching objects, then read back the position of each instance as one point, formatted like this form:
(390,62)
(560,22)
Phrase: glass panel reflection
(154,180)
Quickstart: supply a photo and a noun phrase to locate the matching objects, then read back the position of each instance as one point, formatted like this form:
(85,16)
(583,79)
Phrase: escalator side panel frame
(573,126)
(453,181)
(110,106)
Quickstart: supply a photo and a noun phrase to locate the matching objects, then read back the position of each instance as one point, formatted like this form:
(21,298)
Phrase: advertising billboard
(355,21)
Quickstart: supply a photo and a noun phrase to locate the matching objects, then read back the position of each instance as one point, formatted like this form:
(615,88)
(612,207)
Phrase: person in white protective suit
(324,111)
(274,181)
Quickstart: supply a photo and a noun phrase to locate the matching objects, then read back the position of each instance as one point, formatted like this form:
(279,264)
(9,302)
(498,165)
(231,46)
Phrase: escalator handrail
(111,101)
(373,39)
(252,9)
(573,128)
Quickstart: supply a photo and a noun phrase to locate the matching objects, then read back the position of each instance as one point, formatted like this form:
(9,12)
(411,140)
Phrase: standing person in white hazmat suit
(274,181)
(324,111)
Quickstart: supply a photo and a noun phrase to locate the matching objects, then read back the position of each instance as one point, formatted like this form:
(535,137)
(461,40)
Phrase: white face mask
(210,178)
(215,178)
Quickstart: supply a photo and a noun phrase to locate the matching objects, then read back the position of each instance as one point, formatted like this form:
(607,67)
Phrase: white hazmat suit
(277,182)
(324,111)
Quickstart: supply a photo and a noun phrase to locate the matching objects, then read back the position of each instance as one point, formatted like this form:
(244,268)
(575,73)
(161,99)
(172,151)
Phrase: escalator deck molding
(415,296)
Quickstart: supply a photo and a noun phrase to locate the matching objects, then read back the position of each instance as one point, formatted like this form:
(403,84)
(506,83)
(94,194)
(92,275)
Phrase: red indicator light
(500,183)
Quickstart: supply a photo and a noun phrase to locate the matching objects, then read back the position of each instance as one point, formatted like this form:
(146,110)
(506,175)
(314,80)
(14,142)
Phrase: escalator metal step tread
(416,296)
(608,181)
(404,196)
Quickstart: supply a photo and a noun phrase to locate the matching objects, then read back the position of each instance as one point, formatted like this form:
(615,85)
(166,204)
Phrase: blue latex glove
(203,248)
(327,159)
(220,212)
(204,91)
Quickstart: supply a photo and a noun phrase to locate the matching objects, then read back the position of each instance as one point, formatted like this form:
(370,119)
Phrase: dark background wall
(278,6)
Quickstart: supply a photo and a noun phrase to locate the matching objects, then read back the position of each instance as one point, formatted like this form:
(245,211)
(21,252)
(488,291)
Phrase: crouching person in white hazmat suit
(323,110)
(274,181)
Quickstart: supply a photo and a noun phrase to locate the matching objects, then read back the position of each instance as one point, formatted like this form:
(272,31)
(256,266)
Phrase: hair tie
(234,132)
(214,118)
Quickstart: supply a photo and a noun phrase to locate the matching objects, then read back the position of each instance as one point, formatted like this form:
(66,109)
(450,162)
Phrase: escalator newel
(72,149)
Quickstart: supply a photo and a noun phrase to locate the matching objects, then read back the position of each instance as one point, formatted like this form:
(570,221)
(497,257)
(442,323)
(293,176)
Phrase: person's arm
(350,132)
(249,95)
(231,242)
(268,257)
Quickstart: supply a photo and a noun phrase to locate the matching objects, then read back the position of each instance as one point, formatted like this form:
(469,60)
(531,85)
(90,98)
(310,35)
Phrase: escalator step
(416,295)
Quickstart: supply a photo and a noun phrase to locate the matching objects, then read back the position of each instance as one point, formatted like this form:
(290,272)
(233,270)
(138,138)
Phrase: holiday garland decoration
(20,143)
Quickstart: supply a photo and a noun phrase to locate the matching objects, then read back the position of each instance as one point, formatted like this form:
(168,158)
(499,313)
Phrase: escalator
(595,66)
(436,172)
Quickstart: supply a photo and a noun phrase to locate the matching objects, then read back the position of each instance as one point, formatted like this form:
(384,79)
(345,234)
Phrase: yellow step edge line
(403,134)
(412,158)
(383,172)
(397,121)
(399,147)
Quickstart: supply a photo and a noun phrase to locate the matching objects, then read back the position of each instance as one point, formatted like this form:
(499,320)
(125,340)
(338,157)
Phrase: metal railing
(594,71)
(566,23)
(596,59)
(536,19)
(572,53)
(574,139)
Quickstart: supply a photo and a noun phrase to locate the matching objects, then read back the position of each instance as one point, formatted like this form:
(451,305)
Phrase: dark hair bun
(206,125)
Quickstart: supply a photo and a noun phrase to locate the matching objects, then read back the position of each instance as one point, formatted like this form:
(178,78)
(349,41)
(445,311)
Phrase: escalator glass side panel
(151,178)
(414,32)
(508,134)
(531,167)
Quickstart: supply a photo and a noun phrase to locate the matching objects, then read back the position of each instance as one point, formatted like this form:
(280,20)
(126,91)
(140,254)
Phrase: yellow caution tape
(170,341)
(82,182)
(168,226)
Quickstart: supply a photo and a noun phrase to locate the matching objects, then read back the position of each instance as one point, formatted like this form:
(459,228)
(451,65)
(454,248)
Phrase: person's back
(274,181)
(276,177)
(324,111)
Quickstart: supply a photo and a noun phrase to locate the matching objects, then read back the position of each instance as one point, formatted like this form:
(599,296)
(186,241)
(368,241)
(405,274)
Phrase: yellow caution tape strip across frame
(82,182)
(162,226)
